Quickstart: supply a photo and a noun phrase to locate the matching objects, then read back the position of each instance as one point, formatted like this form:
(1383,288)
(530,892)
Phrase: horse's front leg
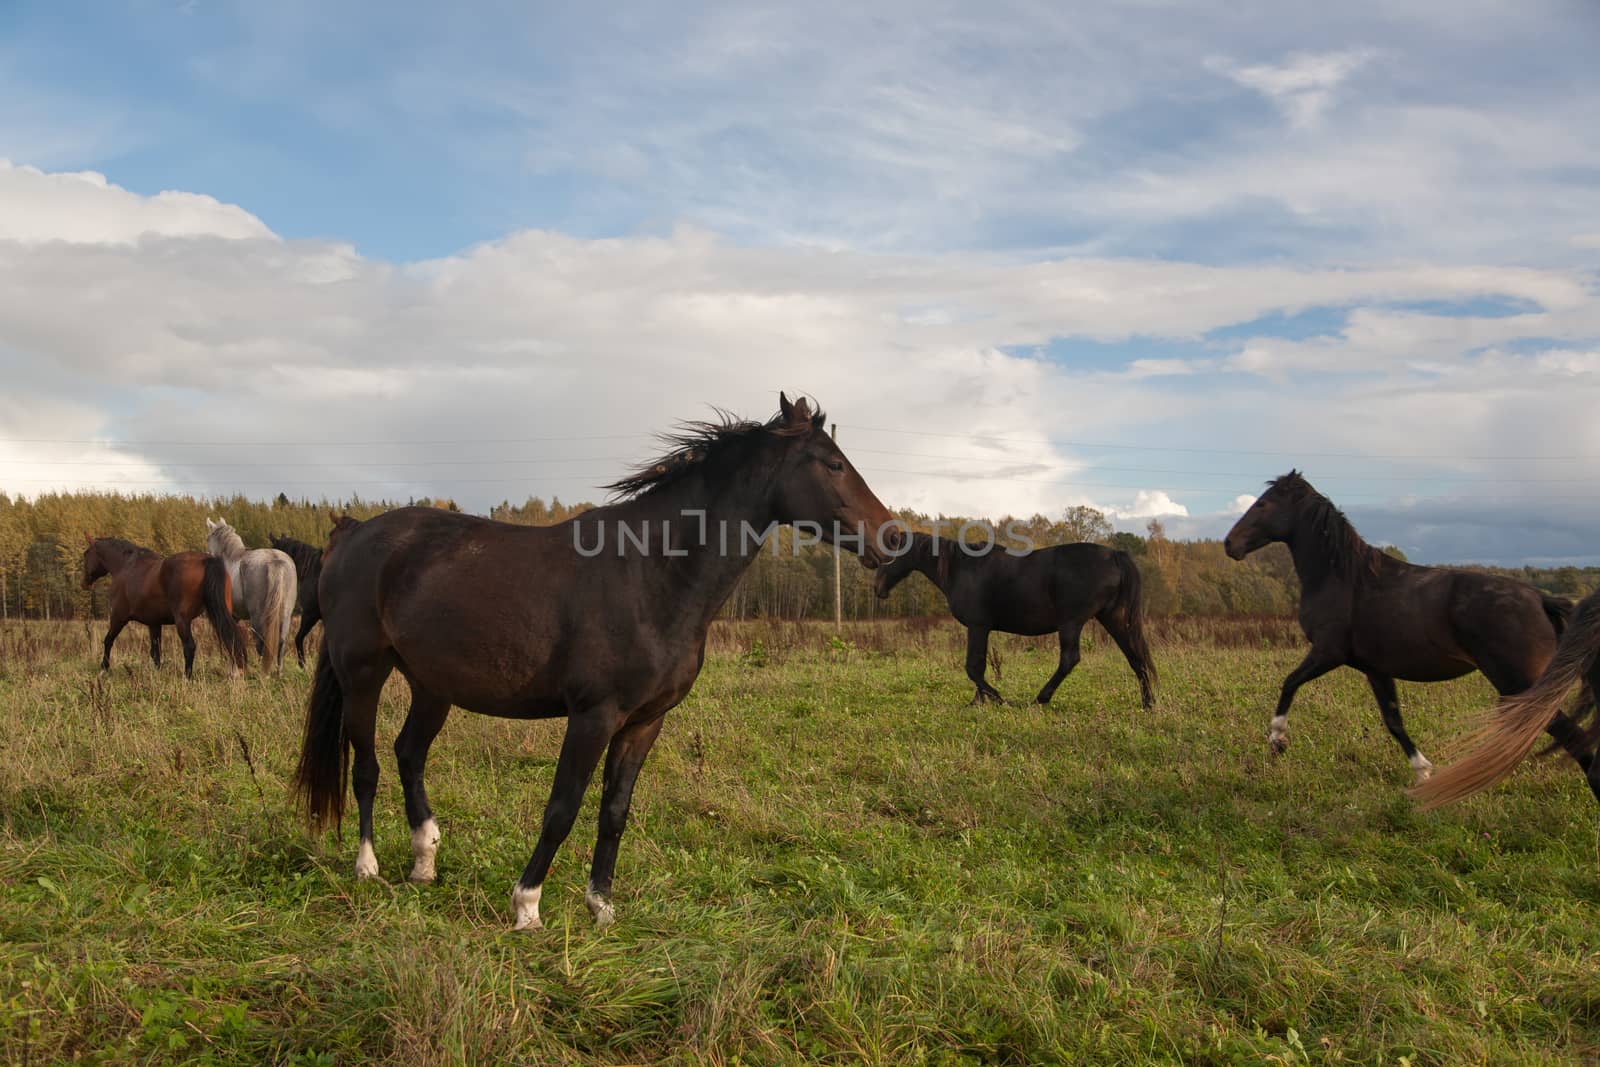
(977,661)
(589,731)
(1317,663)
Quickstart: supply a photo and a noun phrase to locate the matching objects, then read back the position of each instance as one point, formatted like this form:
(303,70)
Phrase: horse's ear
(795,414)
(332,517)
(88,540)
(209,524)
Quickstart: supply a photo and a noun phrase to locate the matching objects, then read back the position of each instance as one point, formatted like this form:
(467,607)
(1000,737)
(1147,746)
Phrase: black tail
(217,596)
(324,769)
(1559,611)
(1128,608)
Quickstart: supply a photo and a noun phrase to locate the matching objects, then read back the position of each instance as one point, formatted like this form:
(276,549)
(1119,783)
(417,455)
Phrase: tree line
(42,540)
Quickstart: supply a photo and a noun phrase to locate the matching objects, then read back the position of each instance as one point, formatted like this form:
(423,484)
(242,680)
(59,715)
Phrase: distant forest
(42,539)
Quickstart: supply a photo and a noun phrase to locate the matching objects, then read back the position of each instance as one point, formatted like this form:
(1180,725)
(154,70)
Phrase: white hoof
(525,906)
(366,861)
(1422,766)
(1278,734)
(600,907)
(424,846)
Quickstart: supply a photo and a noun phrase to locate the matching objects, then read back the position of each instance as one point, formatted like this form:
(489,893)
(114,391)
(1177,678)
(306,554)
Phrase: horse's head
(816,484)
(1271,518)
(94,568)
(898,568)
(216,530)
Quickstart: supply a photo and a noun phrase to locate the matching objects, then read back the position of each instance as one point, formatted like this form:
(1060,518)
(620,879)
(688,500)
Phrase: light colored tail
(275,610)
(1509,733)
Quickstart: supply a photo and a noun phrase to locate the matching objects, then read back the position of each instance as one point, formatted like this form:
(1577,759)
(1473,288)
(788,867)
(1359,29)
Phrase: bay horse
(1056,589)
(263,589)
(307,569)
(1519,720)
(163,591)
(1390,619)
(601,620)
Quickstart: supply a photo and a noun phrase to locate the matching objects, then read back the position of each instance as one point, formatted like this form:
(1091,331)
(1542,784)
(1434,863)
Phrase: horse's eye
(835,465)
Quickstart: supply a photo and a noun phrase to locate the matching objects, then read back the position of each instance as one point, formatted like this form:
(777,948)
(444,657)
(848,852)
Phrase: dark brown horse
(1048,590)
(157,591)
(601,620)
(1390,619)
(308,568)
(1522,718)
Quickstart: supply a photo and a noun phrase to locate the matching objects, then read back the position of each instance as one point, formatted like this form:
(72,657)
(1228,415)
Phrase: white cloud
(84,208)
(264,345)
(1303,85)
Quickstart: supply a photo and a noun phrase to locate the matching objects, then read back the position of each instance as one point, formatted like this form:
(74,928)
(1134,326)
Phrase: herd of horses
(521,622)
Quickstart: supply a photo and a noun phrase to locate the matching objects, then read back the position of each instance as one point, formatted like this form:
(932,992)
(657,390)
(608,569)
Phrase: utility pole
(838,603)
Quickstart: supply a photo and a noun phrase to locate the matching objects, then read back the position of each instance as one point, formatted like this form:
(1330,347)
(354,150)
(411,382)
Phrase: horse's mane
(695,444)
(128,549)
(1348,552)
(230,537)
(305,556)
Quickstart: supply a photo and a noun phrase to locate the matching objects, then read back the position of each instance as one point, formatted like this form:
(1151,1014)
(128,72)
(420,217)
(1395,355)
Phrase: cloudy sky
(1142,255)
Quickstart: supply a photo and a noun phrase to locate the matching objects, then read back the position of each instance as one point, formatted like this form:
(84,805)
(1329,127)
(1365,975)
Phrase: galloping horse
(1057,589)
(1391,619)
(263,588)
(308,568)
(162,591)
(601,620)
(1521,718)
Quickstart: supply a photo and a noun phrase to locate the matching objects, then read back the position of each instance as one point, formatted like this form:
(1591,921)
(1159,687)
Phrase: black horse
(1521,719)
(601,620)
(308,567)
(1390,619)
(1048,590)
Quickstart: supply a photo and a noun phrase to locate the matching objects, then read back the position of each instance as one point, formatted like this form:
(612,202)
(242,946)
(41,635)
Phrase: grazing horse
(1049,590)
(163,591)
(1502,742)
(1390,619)
(601,620)
(308,568)
(263,584)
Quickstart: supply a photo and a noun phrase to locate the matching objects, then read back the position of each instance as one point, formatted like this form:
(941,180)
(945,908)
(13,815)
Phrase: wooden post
(838,602)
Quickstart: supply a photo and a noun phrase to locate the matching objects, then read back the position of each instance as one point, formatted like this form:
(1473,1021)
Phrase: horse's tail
(276,607)
(1128,608)
(324,768)
(1558,609)
(1517,723)
(216,594)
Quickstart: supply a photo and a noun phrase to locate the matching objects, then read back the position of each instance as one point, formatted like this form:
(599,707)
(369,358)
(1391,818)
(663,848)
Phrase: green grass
(832,858)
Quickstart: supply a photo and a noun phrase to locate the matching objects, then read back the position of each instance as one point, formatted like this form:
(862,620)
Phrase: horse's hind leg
(623,759)
(977,660)
(422,725)
(588,733)
(155,644)
(1117,627)
(1071,653)
(1389,705)
(361,726)
(186,639)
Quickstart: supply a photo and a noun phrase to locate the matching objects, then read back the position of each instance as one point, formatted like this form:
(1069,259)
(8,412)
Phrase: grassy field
(832,859)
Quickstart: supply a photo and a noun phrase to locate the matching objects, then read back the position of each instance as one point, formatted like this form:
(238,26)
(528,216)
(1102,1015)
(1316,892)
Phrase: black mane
(128,549)
(305,556)
(1348,552)
(696,443)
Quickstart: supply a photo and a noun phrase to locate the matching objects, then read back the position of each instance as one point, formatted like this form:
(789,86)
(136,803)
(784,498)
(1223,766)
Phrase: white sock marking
(525,906)
(1279,729)
(366,861)
(600,907)
(1422,766)
(424,845)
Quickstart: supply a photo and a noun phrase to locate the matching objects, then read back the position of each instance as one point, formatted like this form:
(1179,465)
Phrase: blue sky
(1165,251)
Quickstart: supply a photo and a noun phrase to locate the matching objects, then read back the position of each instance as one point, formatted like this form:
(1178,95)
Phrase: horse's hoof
(600,907)
(366,861)
(1278,743)
(525,906)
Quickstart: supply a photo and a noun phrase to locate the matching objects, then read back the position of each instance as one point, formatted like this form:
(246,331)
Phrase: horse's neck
(1313,559)
(700,540)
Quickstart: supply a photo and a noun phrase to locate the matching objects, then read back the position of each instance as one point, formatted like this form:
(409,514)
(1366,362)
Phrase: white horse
(263,589)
